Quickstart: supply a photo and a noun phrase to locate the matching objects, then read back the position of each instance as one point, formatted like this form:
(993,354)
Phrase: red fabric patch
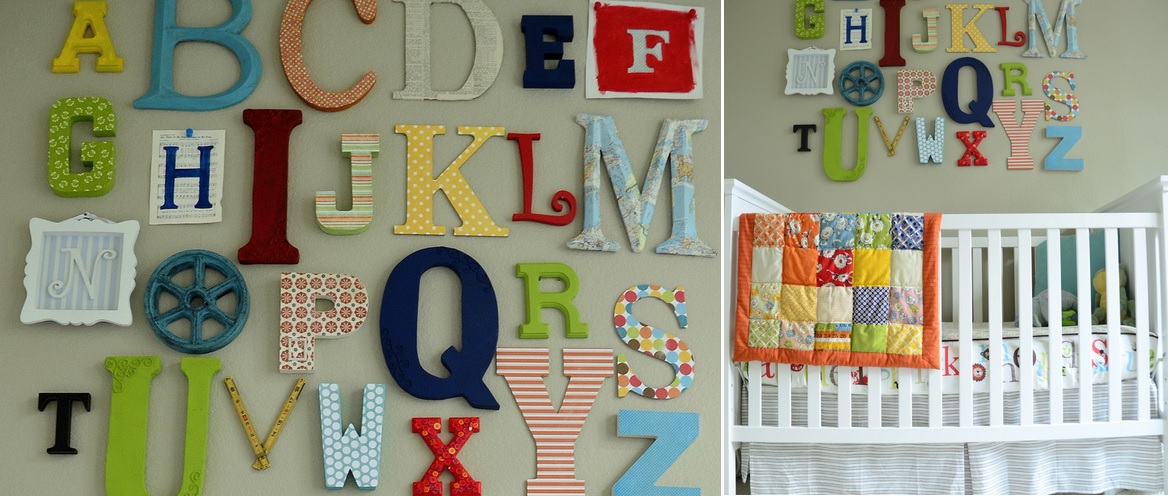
(672,72)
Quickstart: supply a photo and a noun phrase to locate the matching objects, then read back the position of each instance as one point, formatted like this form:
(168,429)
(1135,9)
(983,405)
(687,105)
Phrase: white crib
(987,264)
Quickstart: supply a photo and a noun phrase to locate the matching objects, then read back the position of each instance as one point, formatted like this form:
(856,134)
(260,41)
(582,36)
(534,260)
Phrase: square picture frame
(810,71)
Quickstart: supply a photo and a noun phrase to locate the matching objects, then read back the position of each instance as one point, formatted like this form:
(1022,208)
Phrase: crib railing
(980,252)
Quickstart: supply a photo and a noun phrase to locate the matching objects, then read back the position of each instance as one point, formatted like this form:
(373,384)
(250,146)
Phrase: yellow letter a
(88,16)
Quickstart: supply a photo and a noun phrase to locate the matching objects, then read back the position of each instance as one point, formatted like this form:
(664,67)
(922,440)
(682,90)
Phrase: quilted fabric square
(797,335)
(906,306)
(833,337)
(873,231)
(835,268)
(769,229)
(802,230)
(904,339)
(798,303)
(870,305)
(906,231)
(873,268)
(764,301)
(764,333)
(837,231)
(871,338)
(834,304)
(799,265)
(907,269)
(768,264)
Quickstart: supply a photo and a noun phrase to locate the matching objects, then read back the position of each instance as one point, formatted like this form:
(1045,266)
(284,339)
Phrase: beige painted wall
(51,357)
(1116,84)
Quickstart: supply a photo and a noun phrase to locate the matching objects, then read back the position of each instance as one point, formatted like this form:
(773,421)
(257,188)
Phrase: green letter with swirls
(97,155)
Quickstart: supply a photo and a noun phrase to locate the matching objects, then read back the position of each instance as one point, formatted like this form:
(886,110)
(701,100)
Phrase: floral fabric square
(802,231)
(905,306)
(834,268)
(764,301)
(874,231)
(837,231)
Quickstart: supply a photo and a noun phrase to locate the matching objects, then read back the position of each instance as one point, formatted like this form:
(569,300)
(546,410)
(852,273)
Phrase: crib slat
(754,390)
(783,375)
(1114,364)
(904,384)
(976,255)
(875,392)
(1139,279)
(1054,283)
(965,326)
(814,388)
(844,398)
(1083,293)
(935,419)
(994,297)
(1025,309)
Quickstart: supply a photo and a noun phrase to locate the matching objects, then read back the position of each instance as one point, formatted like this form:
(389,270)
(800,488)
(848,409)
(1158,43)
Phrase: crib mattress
(1038,467)
(1066,355)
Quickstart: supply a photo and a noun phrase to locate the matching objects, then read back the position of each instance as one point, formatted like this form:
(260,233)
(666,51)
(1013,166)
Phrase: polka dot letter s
(653,342)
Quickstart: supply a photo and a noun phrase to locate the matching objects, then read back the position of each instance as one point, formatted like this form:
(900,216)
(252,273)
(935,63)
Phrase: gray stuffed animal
(1041,306)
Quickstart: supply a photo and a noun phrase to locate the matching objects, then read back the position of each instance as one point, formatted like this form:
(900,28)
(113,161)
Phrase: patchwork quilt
(855,289)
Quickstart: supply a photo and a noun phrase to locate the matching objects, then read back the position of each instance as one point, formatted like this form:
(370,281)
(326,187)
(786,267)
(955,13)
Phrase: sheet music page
(184,205)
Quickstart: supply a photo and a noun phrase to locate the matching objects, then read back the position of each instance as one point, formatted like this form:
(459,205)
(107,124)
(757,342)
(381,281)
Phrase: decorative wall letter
(125,456)
(555,430)
(653,342)
(803,130)
(855,29)
(97,155)
(64,425)
(810,71)
(346,451)
(833,143)
(167,36)
(1014,73)
(301,323)
(1057,160)
(1019,134)
(1019,36)
(561,199)
(1064,97)
(422,185)
(186,194)
(663,60)
(446,456)
(979,108)
(972,155)
(861,83)
(80,271)
(360,148)
(1038,21)
(913,85)
(931,148)
(892,56)
(269,191)
(675,431)
(961,28)
(927,43)
(809,26)
(292,58)
(480,329)
(488,51)
(537,300)
(88,17)
(675,145)
(196,303)
(539,50)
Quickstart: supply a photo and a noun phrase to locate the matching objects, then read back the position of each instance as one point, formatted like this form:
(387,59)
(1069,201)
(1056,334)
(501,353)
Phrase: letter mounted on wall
(80,271)
(644,50)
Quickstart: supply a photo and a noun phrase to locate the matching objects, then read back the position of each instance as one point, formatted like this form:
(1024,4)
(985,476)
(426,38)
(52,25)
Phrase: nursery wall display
(379,233)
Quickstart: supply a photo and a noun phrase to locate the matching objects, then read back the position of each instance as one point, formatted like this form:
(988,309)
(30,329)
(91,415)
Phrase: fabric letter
(1064,97)
(653,342)
(927,43)
(979,108)
(561,199)
(292,58)
(809,26)
(961,28)
(555,430)
(422,185)
(674,433)
(488,51)
(972,155)
(97,155)
(535,29)
(913,85)
(1057,160)
(125,458)
(360,148)
(346,451)
(167,36)
(269,192)
(88,17)
(833,144)
(480,329)
(446,456)
(537,300)
(1019,133)
(301,323)
(602,145)
(1039,22)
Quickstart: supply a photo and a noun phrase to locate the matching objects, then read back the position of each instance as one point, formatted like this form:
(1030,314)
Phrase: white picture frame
(80,271)
(810,71)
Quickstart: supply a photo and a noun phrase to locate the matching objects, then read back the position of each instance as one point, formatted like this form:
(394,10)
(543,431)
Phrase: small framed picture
(810,71)
(80,271)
